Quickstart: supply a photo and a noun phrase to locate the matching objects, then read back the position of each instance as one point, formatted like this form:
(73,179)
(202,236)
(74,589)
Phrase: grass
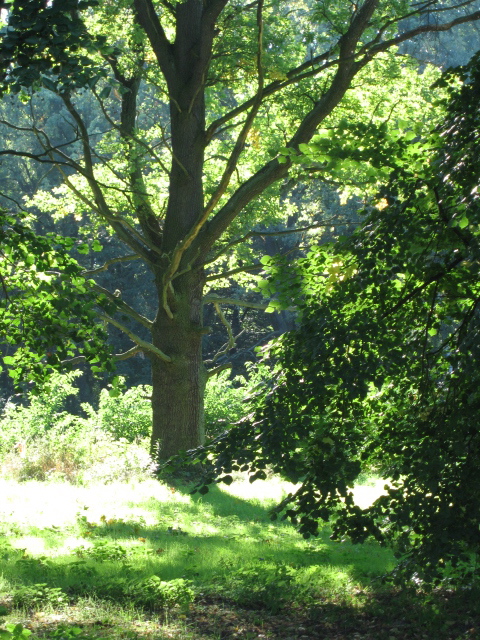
(148,560)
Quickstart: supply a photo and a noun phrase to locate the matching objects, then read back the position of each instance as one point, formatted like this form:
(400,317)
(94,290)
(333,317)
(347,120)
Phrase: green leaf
(49,84)
(105,92)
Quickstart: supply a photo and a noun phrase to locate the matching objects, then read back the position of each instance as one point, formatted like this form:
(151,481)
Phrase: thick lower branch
(117,357)
(143,344)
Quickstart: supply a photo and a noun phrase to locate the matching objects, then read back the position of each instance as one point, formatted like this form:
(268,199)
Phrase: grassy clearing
(144,559)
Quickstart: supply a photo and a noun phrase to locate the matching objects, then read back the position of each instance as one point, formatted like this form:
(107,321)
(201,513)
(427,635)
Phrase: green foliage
(38,596)
(48,309)
(129,414)
(45,45)
(257,586)
(103,550)
(382,370)
(15,632)
(126,415)
(154,593)
(223,402)
(62,632)
(42,441)
(44,412)
(71,632)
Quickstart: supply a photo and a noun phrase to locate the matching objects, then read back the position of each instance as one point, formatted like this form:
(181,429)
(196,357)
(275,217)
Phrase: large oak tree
(220,73)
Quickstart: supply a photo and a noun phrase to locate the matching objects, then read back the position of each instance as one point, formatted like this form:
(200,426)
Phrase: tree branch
(219,369)
(124,307)
(232,272)
(348,67)
(108,263)
(226,324)
(117,357)
(212,299)
(240,143)
(261,234)
(372,49)
(142,344)
(162,48)
(129,237)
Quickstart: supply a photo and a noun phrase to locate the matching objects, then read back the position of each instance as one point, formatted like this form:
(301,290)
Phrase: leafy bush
(57,445)
(257,586)
(149,593)
(21,424)
(154,593)
(223,402)
(103,550)
(14,632)
(124,415)
(38,595)
(129,414)
(63,632)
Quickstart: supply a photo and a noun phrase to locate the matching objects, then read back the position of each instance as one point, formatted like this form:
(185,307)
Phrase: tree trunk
(178,387)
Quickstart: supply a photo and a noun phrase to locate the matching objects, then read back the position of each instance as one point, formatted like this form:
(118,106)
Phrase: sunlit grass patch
(146,543)
(368,491)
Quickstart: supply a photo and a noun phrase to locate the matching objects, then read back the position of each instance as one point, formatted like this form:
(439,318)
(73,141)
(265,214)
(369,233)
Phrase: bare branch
(232,340)
(162,48)
(123,306)
(370,50)
(226,324)
(117,357)
(142,344)
(226,274)
(219,369)
(108,263)
(212,299)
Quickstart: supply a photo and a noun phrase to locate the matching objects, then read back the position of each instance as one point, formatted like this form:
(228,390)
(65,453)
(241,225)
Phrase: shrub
(223,402)
(39,595)
(57,445)
(21,424)
(127,415)
(157,594)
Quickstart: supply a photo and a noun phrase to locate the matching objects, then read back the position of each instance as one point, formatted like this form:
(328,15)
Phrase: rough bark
(178,386)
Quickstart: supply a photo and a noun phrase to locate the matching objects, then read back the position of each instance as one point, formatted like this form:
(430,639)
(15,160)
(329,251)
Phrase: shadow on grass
(252,577)
(215,539)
